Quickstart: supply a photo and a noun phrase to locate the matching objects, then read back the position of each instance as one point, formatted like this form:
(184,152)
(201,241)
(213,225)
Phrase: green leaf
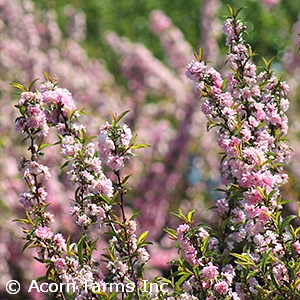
(130,296)
(286,201)
(268,63)
(80,249)
(286,222)
(180,215)
(280,76)
(32,83)
(26,246)
(265,258)
(205,244)
(68,241)
(190,215)
(142,238)
(19,86)
(243,258)
(297,284)
(42,278)
(182,279)
(101,295)
(122,115)
(172,232)
(274,280)
(47,76)
(239,10)
(224,83)
(200,55)
(65,164)
(135,215)
(44,146)
(138,146)
(24,221)
(231,10)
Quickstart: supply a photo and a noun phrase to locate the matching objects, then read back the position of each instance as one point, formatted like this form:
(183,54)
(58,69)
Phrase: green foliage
(133,22)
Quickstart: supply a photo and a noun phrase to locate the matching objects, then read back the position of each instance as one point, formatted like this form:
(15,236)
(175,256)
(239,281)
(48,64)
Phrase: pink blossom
(143,256)
(195,70)
(222,206)
(297,246)
(60,96)
(44,232)
(60,264)
(24,200)
(228,273)
(221,287)
(210,272)
(225,99)
(60,241)
(103,186)
(115,162)
(251,210)
(253,196)
(82,220)
(203,234)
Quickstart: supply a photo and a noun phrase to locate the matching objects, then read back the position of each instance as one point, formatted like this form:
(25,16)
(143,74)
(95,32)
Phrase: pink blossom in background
(269,4)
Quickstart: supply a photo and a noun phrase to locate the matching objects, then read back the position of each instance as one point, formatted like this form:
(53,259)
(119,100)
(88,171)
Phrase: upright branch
(97,199)
(249,111)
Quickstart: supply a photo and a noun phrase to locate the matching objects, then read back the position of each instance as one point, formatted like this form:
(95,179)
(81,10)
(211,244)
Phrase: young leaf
(286,222)
(265,258)
(135,215)
(139,146)
(190,215)
(80,249)
(32,83)
(141,238)
(19,86)
(122,115)
(172,232)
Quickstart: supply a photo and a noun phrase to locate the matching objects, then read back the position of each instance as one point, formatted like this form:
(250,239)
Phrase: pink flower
(210,272)
(182,228)
(44,233)
(103,186)
(115,162)
(221,287)
(60,96)
(60,241)
(297,246)
(82,220)
(195,70)
(222,206)
(24,200)
(60,264)
(251,210)
(253,196)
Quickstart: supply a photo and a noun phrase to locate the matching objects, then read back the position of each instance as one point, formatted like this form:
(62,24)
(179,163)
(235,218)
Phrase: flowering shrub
(250,254)
(95,196)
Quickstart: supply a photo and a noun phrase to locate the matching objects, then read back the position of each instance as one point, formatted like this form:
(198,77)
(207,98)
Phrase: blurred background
(132,54)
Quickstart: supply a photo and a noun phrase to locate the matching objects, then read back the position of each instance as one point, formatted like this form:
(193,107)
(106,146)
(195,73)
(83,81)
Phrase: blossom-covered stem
(249,111)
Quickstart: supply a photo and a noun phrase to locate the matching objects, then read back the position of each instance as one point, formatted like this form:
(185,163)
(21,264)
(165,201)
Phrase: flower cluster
(95,195)
(114,144)
(249,110)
